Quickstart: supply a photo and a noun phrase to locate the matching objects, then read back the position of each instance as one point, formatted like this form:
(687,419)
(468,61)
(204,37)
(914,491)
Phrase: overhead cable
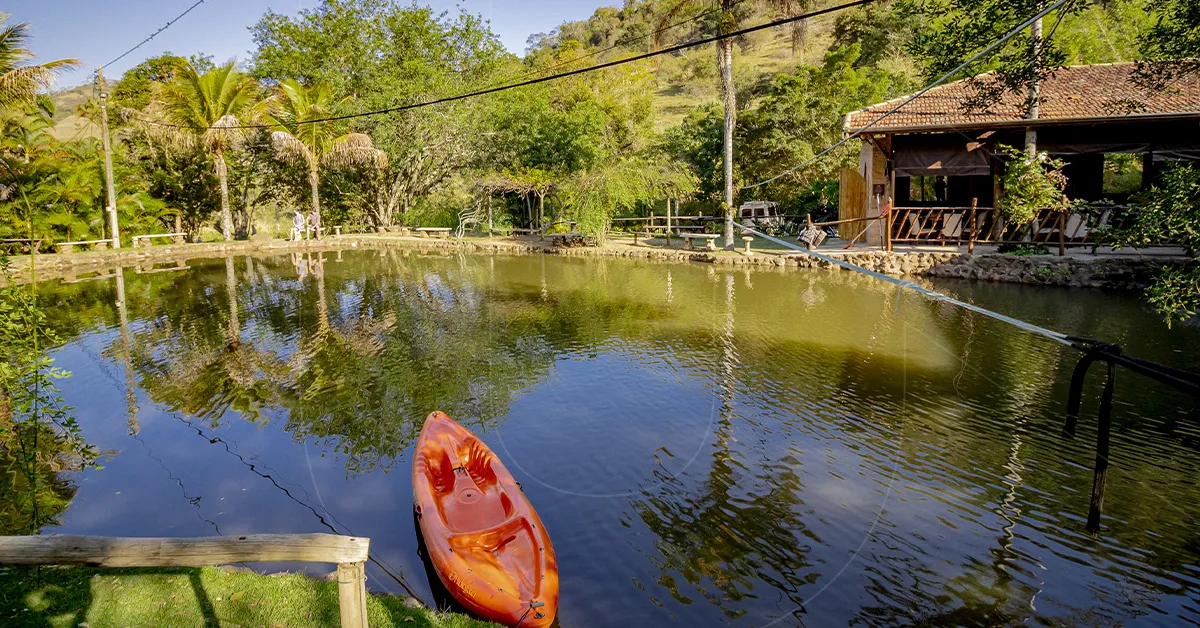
(554,77)
(154,34)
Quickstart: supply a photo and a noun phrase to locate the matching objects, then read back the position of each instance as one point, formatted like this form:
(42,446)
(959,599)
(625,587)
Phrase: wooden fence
(350,554)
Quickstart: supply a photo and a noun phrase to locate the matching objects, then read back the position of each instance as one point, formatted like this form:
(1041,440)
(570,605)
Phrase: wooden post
(971,235)
(1062,226)
(352,594)
(669,221)
(887,230)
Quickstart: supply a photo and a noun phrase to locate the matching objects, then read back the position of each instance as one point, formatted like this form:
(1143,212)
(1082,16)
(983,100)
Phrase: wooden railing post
(971,234)
(352,594)
(1062,226)
(887,232)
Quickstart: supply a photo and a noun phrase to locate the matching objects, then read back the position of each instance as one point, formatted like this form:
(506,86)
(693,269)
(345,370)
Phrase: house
(932,158)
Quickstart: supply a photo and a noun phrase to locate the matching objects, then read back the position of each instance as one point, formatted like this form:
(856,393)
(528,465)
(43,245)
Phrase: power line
(155,33)
(626,42)
(553,77)
(939,81)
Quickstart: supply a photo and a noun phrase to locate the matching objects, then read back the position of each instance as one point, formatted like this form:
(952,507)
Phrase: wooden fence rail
(350,554)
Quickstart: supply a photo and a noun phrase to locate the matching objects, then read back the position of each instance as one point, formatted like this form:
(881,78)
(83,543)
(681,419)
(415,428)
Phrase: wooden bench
(440,232)
(709,238)
(21,244)
(144,240)
(564,239)
(67,247)
(350,554)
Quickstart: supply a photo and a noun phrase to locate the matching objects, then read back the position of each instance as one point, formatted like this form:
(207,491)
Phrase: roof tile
(1071,93)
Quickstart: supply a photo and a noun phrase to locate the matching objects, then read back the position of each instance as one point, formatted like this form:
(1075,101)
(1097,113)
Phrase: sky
(96,31)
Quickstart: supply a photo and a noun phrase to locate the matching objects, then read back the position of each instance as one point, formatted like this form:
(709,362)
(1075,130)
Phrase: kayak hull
(485,541)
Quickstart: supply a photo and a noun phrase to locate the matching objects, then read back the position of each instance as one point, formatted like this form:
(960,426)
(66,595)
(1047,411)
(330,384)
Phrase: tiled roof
(1076,93)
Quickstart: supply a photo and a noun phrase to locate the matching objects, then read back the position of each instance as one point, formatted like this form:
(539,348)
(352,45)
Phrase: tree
(136,87)
(301,133)
(206,110)
(1168,211)
(729,102)
(955,30)
(19,79)
(384,54)
(800,114)
(1171,47)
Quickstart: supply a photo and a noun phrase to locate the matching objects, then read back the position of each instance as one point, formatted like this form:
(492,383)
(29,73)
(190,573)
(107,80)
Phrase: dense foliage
(1168,212)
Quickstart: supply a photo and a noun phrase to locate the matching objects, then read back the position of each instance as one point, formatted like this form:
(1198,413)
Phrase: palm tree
(205,109)
(301,132)
(20,80)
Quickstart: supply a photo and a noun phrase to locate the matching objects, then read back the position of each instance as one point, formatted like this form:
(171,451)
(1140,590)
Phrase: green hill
(689,78)
(69,125)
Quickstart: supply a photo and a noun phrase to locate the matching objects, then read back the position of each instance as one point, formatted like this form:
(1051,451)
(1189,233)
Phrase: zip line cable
(553,77)
(1013,33)
(155,33)
(915,287)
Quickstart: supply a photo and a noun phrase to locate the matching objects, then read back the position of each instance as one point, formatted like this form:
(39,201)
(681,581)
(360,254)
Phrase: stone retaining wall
(1122,272)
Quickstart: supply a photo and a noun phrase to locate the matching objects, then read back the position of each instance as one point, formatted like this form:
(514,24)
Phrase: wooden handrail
(350,553)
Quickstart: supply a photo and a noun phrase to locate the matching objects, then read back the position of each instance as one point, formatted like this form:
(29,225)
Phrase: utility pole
(1031,111)
(729,98)
(111,207)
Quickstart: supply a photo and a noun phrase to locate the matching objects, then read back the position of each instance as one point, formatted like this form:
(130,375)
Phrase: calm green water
(706,446)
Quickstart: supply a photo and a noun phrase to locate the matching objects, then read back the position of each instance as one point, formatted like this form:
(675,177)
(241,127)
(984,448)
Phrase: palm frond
(224,133)
(354,149)
(290,149)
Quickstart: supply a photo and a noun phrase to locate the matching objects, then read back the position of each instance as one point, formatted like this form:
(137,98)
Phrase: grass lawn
(69,597)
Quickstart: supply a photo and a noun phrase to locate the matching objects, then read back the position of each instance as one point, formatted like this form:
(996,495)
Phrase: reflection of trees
(190,355)
(31,498)
(358,352)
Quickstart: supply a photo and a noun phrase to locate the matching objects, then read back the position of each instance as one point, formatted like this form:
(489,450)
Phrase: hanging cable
(600,66)
(960,67)
(154,34)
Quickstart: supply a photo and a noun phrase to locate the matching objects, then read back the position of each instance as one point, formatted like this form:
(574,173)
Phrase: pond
(705,445)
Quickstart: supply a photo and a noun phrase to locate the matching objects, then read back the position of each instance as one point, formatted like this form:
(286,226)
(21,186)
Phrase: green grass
(68,597)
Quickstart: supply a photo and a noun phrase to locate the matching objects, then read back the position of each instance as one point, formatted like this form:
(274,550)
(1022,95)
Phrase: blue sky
(96,31)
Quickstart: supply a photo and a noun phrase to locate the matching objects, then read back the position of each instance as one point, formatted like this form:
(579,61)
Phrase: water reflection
(859,456)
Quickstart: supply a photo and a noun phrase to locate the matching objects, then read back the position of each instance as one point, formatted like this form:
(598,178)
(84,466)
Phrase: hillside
(69,125)
(689,78)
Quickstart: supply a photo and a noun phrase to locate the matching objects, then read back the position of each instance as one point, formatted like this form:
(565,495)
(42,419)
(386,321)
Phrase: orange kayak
(486,543)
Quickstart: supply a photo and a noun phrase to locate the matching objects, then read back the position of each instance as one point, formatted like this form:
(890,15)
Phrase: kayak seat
(466,491)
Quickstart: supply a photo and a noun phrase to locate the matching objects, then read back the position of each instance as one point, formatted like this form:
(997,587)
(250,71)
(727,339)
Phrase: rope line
(962,66)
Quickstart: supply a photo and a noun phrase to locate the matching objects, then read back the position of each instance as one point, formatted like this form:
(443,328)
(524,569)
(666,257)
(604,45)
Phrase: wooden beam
(103,551)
